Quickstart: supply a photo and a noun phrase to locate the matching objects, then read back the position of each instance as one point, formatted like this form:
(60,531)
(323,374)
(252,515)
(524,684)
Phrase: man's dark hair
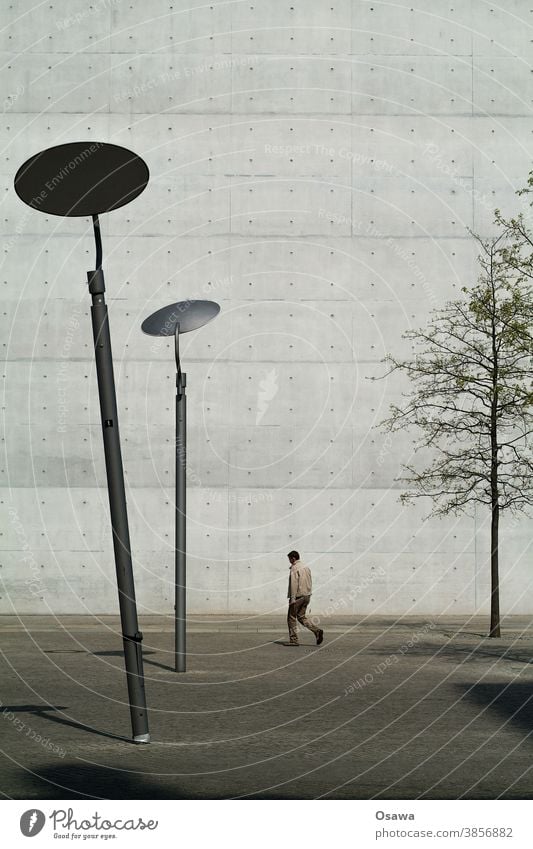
(293,555)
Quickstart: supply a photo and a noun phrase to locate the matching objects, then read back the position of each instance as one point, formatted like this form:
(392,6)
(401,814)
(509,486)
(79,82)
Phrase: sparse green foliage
(471,402)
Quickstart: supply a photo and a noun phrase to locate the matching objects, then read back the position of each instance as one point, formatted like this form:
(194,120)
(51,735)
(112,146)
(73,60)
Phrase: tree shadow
(504,654)
(511,701)
(450,652)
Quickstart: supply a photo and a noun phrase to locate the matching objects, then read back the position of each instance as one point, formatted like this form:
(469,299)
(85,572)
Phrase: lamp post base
(142,738)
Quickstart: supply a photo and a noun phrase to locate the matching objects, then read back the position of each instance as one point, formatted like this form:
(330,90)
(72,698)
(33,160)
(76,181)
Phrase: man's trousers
(296,614)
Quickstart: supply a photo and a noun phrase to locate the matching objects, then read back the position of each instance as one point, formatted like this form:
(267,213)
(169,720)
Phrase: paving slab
(386,708)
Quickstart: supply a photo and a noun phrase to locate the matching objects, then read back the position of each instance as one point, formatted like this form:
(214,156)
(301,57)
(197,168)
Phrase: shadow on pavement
(114,653)
(513,702)
(86,781)
(46,712)
(164,666)
(462,653)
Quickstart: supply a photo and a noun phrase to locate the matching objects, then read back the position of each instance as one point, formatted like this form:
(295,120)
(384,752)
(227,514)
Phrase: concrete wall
(314,168)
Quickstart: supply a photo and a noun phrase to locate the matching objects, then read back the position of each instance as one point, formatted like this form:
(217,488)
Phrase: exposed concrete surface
(314,168)
(418,708)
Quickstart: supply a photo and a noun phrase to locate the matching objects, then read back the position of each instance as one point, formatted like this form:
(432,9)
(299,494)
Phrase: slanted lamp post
(171,321)
(83,179)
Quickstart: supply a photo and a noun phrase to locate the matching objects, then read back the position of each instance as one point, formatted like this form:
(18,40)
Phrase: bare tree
(472,395)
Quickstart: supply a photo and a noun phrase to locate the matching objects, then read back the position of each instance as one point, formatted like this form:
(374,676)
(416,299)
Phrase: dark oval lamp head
(81,178)
(189,315)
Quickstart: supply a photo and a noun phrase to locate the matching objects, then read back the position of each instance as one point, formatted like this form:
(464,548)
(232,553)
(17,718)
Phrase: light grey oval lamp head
(184,316)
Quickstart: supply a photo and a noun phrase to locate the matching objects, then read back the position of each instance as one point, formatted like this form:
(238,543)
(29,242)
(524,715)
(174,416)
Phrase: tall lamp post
(172,321)
(83,179)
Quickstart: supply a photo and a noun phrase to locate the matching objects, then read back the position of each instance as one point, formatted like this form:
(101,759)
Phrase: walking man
(300,589)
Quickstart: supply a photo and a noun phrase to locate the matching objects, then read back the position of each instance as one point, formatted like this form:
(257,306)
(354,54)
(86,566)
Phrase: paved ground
(417,708)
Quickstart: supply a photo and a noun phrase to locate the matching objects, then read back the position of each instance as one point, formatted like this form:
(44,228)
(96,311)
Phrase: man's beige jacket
(300,582)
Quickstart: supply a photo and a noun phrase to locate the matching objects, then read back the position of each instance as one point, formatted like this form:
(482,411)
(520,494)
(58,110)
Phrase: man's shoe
(320,637)
(290,643)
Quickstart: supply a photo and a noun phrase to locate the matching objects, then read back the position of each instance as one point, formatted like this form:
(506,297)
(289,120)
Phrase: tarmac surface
(386,708)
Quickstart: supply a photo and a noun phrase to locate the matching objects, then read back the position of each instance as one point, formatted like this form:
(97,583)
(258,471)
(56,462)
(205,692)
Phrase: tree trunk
(494,489)
(494,579)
